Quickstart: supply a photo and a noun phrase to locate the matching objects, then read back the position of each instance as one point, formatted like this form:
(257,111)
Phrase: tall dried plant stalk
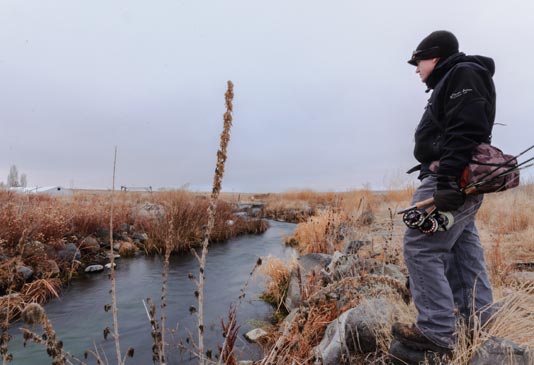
(217,179)
(165,274)
(35,314)
(112,275)
(6,337)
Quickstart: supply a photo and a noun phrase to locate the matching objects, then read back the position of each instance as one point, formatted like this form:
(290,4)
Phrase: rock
(246,362)
(230,222)
(498,351)
(345,265)
(293,296)
(149,211)
(117,246)
(255,334)
(307,263)
(69,252)
(313,261)
(94,268)
(356,330)
(33,249)
(290,316)
(141,237)
(25,272)
(103,234)
(116,256)
(127,249)
(51,267)
(522,276)
(125,227)
(353,246)
(108,265)
(89,245)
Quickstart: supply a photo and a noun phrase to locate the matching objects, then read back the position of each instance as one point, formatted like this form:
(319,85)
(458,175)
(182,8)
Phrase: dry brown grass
(307,328)
(514,321)
(38,291)
(190,214)
(53,220)
(278,273)
(41,290)
(506,225)
(506,222)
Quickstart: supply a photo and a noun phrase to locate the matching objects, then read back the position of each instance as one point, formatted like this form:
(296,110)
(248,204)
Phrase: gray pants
(447,270)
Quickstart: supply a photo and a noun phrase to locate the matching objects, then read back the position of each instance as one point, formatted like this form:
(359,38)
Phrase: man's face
(425,67)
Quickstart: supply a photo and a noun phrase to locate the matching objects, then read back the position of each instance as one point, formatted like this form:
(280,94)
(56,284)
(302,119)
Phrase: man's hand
(448,196)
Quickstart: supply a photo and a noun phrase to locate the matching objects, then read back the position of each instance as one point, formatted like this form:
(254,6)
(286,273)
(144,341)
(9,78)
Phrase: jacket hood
(445,65)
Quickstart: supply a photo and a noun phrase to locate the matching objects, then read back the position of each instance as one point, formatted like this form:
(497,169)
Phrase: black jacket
(459,115)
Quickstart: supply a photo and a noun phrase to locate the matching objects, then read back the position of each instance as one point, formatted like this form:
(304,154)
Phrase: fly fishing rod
(429,220)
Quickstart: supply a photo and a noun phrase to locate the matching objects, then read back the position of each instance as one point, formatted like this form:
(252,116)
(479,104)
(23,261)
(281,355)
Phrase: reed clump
(278,273)
(190,214)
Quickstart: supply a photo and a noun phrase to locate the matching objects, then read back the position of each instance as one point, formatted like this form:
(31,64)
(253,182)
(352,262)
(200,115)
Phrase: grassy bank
(505,222)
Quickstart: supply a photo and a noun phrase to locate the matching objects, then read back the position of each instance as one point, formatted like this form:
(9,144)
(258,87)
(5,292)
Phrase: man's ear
(435,61)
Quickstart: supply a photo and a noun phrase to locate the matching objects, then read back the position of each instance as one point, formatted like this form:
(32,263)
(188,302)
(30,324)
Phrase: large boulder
(498,351)
(313,262)
(348,265)
(356,330)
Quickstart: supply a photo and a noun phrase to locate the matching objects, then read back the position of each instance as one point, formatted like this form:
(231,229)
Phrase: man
(447,269)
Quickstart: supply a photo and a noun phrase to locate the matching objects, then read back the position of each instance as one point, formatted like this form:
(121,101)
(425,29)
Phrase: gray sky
(324,98)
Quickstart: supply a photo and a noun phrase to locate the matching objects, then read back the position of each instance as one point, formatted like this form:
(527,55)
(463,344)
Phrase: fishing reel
(428,222)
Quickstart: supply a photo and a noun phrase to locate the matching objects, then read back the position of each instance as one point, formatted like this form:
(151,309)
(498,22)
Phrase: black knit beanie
(438,44)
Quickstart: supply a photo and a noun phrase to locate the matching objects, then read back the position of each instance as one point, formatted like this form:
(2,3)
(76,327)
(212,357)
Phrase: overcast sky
(324,98)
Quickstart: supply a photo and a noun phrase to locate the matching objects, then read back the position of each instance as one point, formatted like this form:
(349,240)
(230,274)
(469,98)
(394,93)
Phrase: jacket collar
(442,68)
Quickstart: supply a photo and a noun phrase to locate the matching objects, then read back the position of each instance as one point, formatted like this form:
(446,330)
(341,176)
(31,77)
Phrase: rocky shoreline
(361,299)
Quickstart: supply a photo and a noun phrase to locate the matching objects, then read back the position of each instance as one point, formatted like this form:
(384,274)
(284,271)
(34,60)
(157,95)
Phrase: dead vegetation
(35,228)
(506,224)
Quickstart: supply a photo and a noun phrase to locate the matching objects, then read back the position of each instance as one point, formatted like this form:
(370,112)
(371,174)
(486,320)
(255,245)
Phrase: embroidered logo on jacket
(460,93)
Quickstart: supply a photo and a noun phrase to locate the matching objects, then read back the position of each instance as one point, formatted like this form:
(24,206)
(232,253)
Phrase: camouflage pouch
(490,170)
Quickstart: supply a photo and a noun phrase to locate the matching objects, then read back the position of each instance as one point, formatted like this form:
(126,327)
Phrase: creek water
(79,317)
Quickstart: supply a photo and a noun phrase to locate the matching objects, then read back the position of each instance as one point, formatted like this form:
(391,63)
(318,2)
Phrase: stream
(79,318)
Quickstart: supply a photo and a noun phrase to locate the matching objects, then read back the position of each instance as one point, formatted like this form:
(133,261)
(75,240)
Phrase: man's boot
(412,338)
(400,354)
